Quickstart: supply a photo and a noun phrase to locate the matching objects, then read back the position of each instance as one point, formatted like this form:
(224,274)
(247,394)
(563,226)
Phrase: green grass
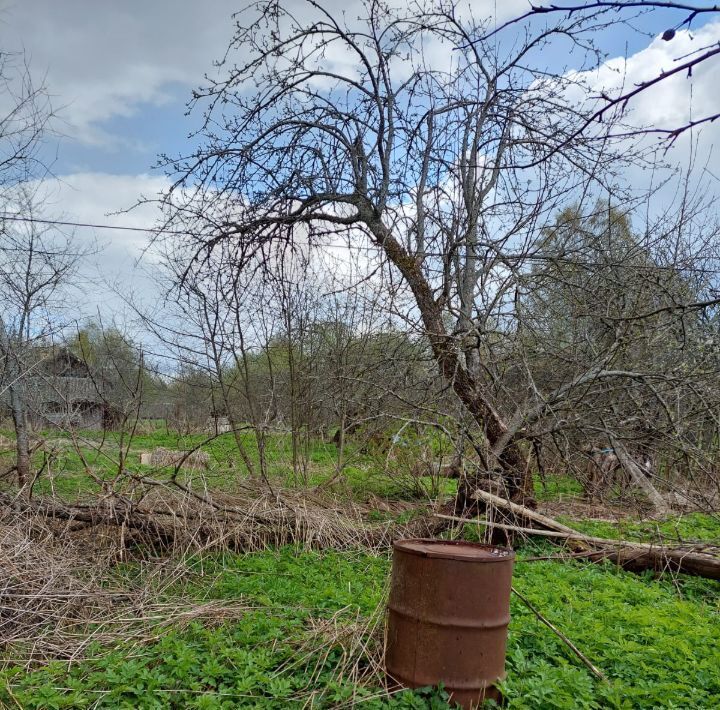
(692,527)
(363,474)
(252,662)
(555,487)
(657,641)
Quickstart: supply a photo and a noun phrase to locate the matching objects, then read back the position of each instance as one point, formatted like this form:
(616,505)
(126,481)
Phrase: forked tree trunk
(513,464)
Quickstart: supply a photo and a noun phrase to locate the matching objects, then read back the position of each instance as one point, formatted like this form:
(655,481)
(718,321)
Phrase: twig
(637,556)
(586,661)
(514,528)
(569,556)
(602,542)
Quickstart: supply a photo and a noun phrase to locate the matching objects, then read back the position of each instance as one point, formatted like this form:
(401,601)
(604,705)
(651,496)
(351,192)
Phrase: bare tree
(37,264)
(213,324)
(25,121)
(447,170)
(29,272)
(592,19)
(611,331)
(409,134)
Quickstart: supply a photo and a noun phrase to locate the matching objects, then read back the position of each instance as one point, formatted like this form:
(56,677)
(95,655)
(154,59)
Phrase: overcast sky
(121,72)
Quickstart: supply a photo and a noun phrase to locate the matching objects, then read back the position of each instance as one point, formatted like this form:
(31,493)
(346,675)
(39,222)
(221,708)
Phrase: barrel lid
(455,550)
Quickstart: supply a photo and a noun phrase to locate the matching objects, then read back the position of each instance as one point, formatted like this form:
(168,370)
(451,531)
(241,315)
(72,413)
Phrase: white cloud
(676,99)
(671,103)
(105,60)
(110,59)
(96,198)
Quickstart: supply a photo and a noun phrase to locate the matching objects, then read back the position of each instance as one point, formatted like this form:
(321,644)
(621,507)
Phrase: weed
(657,647)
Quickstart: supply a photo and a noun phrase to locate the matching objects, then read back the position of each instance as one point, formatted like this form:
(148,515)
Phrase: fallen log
(521,511)
(632,556)
(119,516)
(661,559)
(175,521)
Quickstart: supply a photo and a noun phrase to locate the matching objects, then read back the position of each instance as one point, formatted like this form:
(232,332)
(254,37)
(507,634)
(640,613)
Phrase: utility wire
(91,225)
(350,247)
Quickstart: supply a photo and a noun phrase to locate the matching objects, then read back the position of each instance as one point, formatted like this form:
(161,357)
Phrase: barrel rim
(498,554)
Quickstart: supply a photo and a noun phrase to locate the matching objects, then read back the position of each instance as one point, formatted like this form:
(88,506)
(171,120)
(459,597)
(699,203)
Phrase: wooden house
(60,391)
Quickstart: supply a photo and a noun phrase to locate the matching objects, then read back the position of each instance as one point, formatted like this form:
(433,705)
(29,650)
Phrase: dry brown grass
(171,519)
(45,588)
(59,594)
(60,589)
(358,640)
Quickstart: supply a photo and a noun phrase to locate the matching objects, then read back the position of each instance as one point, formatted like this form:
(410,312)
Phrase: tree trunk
(638,477)
(22,438)
(514,468)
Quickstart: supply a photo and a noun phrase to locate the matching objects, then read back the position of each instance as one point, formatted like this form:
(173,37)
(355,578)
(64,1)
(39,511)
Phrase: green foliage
(555,487)
(657,640)
(249,663)
(683,528)
(658,647)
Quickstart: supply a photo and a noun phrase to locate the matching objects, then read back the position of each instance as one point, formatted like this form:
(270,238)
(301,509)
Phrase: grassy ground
(363,472)
(657,640)
(686,528)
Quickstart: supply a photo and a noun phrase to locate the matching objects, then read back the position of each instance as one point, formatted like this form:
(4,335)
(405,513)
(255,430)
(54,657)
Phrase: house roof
(58,376)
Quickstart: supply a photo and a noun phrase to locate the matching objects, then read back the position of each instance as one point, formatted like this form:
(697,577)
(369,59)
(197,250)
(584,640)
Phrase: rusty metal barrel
(448,614)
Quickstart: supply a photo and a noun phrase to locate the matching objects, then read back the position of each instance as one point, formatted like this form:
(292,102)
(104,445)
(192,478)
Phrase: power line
(350,247)
(151,230)
(90,225)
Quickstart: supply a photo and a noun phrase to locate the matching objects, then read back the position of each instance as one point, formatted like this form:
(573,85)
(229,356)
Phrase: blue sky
(121,72)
